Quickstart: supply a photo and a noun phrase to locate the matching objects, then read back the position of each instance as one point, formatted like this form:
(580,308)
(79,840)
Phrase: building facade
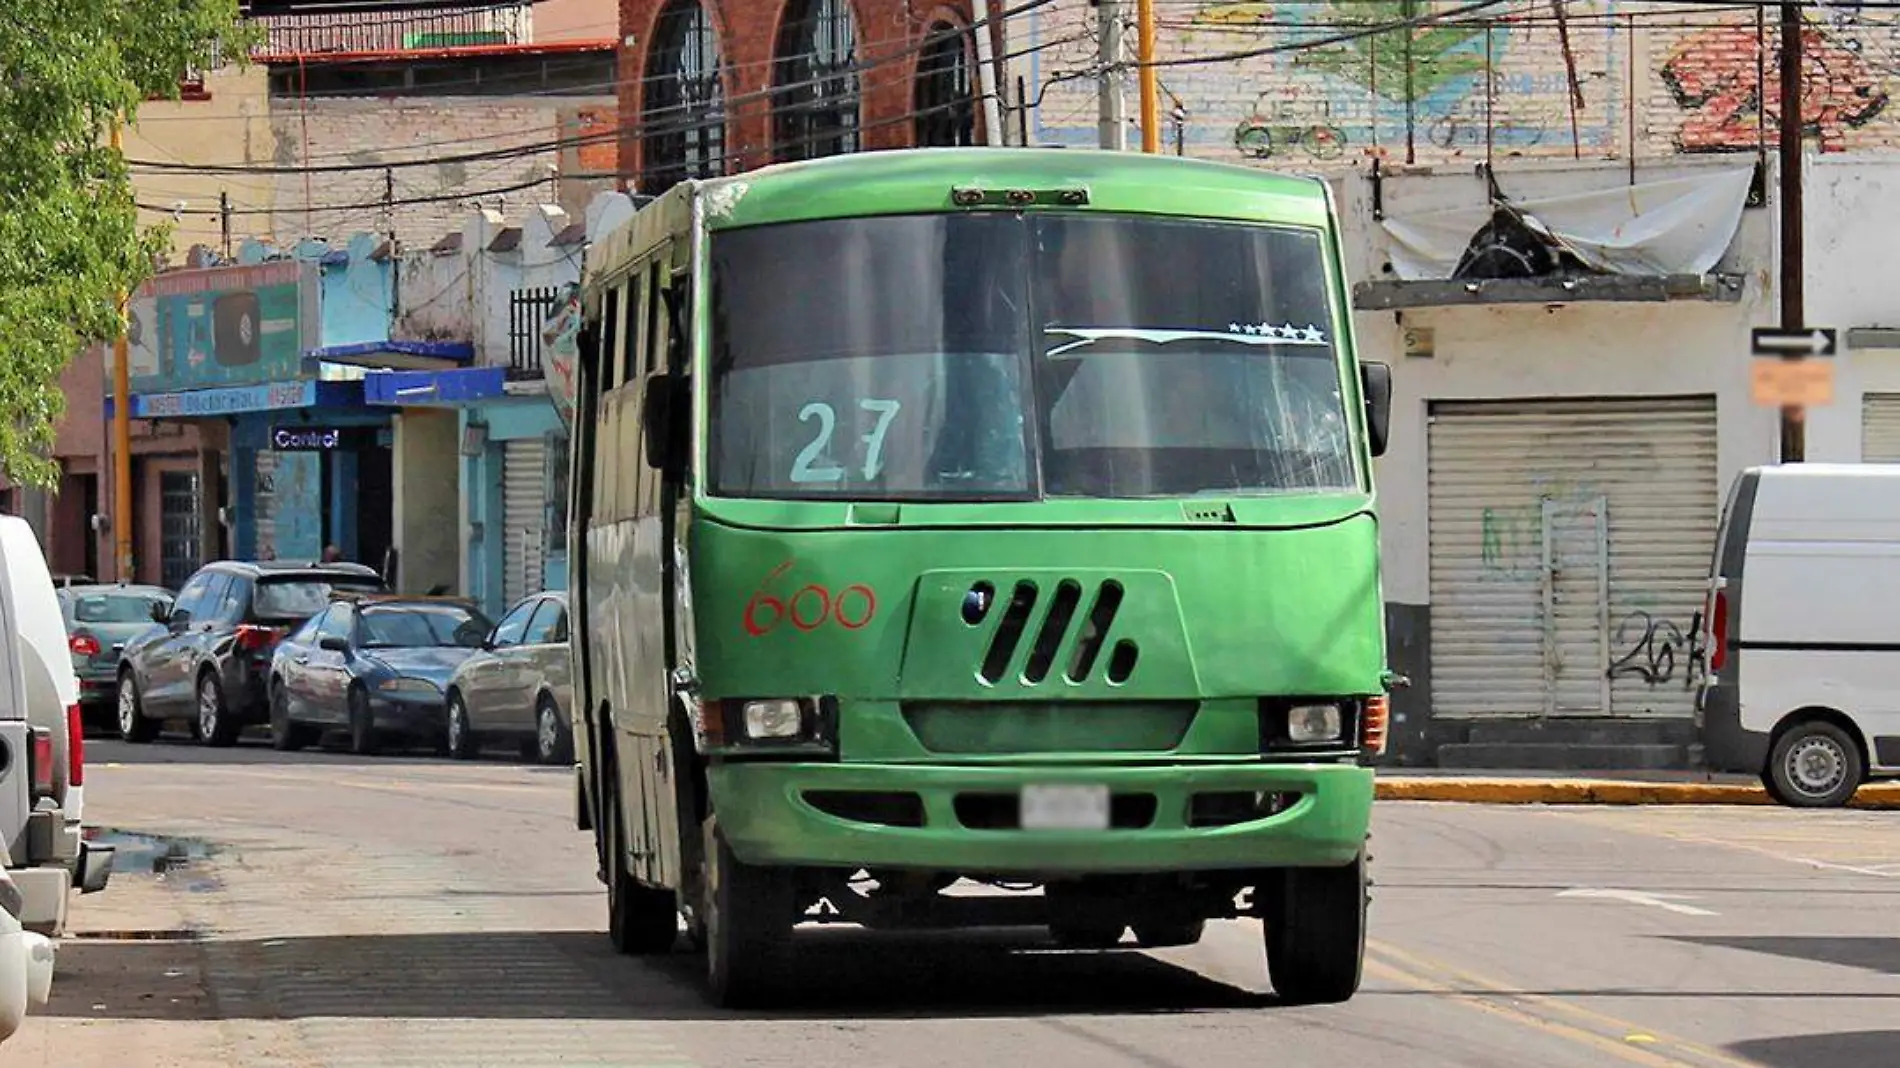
(721,86)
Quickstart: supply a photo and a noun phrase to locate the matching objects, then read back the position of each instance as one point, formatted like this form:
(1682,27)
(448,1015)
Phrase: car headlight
(1306,724)
(774,719)
(408,685)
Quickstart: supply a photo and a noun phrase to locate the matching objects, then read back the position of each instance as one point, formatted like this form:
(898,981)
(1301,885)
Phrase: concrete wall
(574,20)
(425,499)
(374,130)
(232,127)
(1850,235)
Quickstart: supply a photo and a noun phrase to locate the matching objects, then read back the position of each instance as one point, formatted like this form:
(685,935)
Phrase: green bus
(978,516)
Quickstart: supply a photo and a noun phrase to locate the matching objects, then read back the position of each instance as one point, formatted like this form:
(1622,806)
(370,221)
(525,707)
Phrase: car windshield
(1005,357)
(300,598)
(416,626)
(109,608)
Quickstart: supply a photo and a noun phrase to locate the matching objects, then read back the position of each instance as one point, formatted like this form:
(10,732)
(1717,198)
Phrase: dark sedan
(376,666)
(100,622)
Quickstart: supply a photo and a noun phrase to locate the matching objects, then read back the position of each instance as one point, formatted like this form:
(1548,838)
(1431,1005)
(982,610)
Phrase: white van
(42,772)
(1802,630)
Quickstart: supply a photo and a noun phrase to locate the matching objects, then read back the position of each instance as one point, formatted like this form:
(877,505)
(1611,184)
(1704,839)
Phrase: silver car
(519,687)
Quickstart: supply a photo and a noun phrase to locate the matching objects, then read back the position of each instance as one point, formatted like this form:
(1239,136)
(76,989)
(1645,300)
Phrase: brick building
(717,86)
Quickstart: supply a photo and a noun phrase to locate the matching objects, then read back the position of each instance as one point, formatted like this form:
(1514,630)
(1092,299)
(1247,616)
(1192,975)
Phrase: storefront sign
(222,326)
(231,401)
(320,438)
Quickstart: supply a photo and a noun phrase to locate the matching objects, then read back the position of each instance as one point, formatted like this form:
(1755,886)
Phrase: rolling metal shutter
(524,488)
(1570,544)
(1880,428)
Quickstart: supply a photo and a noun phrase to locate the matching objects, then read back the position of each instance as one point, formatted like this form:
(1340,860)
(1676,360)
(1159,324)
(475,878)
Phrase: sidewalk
(1604,788)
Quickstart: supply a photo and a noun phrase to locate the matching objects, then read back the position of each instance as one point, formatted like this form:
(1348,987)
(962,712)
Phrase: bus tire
(1316,933)
(748,927)
(641,920)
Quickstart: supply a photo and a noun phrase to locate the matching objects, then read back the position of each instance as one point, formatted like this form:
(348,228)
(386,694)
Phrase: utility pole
(224,220)
(1793,417)
(121,425)
(1113,126)
(1145,55)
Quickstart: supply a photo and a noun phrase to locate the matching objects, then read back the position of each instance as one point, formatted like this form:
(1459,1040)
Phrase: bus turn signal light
(1373,734)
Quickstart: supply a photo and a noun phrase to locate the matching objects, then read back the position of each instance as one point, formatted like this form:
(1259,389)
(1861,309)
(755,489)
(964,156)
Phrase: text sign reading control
(316,438)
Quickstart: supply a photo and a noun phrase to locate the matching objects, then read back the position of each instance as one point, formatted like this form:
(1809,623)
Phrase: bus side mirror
(1375,380)
(664,419)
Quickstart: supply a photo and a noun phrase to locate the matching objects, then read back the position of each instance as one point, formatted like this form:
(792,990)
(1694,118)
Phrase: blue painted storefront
(505,419)
(303,526)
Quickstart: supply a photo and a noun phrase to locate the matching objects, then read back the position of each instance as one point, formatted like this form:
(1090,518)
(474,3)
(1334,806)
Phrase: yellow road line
(1704,1055)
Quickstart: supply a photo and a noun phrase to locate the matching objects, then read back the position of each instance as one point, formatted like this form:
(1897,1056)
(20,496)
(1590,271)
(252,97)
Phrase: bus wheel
(748,920)
(641,920)
(1316,933)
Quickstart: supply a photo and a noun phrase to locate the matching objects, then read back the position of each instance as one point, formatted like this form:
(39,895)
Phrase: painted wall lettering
(1713,75)
(1650,649)
(807,607)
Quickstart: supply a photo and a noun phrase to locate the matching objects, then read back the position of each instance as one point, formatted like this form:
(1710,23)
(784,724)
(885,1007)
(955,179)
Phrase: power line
(853,70)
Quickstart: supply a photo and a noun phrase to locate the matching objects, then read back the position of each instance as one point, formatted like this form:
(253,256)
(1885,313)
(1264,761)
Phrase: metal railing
(528,311)
(332,33)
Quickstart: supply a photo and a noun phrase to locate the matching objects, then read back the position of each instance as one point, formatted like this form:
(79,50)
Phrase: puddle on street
(148,854)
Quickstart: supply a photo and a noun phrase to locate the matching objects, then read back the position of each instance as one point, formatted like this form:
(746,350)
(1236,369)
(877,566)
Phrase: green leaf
(70,243)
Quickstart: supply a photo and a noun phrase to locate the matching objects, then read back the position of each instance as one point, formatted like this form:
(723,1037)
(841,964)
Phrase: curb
(1476,791)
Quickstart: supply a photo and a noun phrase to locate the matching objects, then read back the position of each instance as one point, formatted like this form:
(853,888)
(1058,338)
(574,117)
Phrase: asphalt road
(416,912)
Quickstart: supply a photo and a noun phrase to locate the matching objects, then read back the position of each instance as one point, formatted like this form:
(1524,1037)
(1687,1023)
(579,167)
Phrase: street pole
(1793,417)
(121,425)
(1113,126)
(1145,55)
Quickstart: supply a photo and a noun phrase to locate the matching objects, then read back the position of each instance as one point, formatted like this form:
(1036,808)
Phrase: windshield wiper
(1255,334)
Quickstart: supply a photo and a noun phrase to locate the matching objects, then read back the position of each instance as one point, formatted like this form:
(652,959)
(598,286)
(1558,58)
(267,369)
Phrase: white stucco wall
(1533,351)
(1852,280)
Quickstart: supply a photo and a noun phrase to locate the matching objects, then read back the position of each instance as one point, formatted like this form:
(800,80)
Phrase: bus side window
(631,475)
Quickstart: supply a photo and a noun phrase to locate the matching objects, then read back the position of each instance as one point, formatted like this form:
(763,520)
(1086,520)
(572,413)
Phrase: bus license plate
(1065,808)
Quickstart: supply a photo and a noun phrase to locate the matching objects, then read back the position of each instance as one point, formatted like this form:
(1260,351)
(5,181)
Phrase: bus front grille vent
(1062,618)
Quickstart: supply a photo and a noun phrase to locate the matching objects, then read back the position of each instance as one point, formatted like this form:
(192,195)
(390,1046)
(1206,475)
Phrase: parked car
(520,687)
(210,662)
(376,666)
(100,621)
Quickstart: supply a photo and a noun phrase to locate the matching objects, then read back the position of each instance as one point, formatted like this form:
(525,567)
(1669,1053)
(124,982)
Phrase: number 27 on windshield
(807,466)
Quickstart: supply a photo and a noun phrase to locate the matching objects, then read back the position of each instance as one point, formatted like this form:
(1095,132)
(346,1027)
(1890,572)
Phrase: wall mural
(1530,78)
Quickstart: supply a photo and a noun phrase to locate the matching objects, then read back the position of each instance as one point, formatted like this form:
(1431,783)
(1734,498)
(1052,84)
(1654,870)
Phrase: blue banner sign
(229,401)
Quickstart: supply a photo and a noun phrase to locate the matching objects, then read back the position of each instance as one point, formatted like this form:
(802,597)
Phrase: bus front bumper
(1302,815)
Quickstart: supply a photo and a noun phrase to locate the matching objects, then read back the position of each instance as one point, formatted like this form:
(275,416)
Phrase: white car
(26,962)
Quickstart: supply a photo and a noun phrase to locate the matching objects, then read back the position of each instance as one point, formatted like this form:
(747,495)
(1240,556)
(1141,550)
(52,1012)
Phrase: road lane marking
(1625,1051)
(1705,1055)
(1639,897)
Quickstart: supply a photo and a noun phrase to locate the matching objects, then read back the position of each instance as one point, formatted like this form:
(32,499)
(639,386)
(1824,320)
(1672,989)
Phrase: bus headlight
(774,719)
(1307,724)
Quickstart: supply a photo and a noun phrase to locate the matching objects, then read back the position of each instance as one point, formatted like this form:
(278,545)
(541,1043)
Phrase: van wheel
(1815,764)
(749,912)
(1316,933)
(133,726)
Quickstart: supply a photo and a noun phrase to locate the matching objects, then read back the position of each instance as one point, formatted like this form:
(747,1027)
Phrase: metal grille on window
(685,115)
(816,113)
(945,105)
(178,518)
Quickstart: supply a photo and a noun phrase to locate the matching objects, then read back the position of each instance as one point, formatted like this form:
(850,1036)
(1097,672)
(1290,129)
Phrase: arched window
(816,112)
(945,102)
(685,112)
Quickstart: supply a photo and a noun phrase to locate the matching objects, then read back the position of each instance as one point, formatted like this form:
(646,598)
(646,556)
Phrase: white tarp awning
(1674,226)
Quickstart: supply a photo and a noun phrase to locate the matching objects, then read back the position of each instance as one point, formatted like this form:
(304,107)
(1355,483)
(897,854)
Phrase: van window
(1721,529)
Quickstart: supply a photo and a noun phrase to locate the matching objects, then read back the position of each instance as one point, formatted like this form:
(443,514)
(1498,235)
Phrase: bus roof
(907,181)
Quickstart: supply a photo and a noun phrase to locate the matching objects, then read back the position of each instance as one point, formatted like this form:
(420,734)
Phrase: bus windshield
(1011,357)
